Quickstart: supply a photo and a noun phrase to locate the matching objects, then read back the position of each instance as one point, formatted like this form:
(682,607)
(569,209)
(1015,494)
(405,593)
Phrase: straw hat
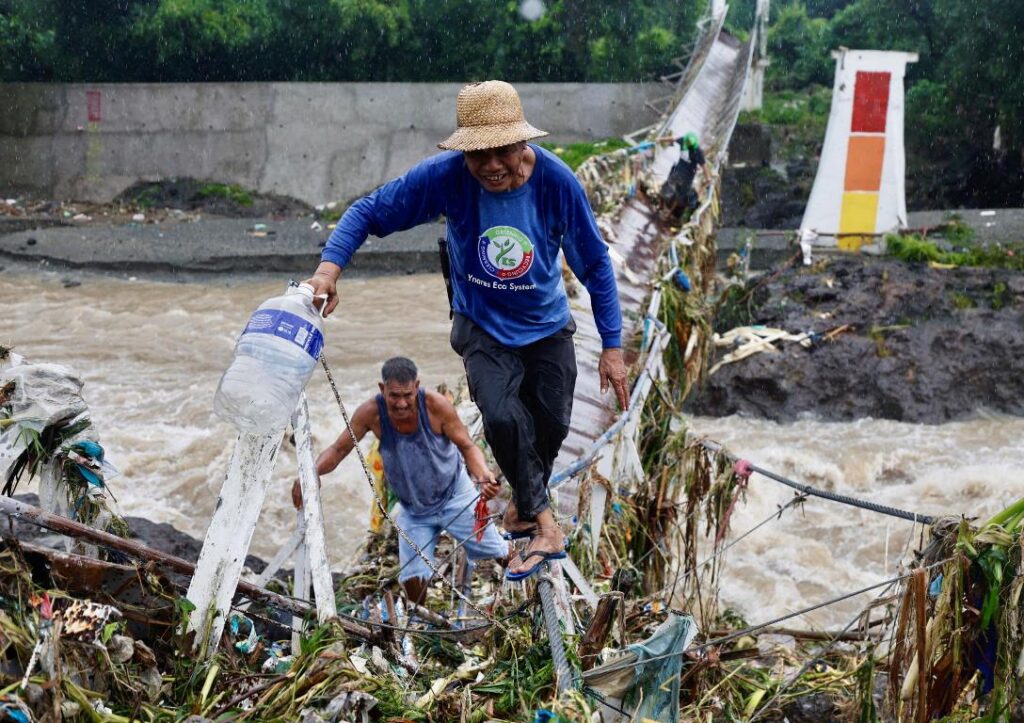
(489,116)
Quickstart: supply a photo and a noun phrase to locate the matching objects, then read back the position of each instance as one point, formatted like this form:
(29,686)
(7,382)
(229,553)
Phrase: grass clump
(961,300)
(331,215)
(229,192)
(917,249)
(575,153)
(148,197)
(1000,296)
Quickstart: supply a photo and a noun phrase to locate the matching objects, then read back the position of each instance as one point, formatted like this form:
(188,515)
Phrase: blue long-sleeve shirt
(506,274)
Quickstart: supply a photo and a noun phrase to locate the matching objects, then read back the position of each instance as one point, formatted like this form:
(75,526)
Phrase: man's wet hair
(399,369)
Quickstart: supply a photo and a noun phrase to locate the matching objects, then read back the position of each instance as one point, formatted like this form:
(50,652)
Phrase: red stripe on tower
(870,102)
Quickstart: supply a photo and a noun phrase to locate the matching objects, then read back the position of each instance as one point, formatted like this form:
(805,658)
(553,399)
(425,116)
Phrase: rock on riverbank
(922,344)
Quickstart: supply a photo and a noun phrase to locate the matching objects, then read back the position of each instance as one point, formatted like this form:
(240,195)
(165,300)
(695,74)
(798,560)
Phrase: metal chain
(383,508)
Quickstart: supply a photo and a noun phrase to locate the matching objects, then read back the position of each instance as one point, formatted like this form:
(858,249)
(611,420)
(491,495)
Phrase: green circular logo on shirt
(505,252)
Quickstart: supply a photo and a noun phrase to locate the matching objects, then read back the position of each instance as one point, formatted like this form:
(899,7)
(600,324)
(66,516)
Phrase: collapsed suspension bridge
(619,477)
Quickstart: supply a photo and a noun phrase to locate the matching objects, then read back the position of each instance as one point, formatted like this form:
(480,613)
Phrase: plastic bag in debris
(655,684)
(243,633)
(42,394)
(277,660)
(351,706)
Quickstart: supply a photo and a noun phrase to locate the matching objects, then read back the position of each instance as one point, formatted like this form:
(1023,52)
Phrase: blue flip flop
(544,557)
(520,534)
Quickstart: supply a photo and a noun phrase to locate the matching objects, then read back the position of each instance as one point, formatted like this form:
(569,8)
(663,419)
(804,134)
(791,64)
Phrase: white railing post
(300,583)
(313,516)
(227,539)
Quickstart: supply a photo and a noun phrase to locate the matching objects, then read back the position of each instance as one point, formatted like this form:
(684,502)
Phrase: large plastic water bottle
(274,358)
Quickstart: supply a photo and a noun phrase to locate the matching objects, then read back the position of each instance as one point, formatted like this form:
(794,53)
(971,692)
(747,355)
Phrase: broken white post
(283,555)
(228,537)
(599,498)
(313,516)
(300,584)
(580,581)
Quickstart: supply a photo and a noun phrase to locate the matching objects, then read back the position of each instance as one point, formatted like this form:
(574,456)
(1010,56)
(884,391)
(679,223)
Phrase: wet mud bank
(887,340)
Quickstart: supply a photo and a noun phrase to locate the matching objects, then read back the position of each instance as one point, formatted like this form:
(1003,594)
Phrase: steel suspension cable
(815,492)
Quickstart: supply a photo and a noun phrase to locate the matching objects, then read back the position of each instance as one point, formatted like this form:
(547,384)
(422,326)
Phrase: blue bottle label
(288,326)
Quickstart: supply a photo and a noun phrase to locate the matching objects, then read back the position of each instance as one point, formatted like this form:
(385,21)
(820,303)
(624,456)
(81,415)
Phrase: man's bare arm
(331,457)
(453,428)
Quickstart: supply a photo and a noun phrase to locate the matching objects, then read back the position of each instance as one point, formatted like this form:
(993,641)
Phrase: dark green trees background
(340,40)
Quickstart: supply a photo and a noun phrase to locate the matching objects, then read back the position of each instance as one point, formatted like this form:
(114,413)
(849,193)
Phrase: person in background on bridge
(677,194)
(423,444)
(510,207)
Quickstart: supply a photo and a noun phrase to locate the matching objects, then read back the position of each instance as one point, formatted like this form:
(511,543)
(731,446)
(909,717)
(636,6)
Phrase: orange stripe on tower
(864,156)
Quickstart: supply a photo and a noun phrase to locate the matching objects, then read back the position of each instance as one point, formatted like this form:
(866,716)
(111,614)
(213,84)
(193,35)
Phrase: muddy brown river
(151,354)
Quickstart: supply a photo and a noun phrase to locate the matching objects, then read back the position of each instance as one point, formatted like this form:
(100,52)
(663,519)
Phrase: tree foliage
(966,83)
(203,39)
(26,42)
(341,40)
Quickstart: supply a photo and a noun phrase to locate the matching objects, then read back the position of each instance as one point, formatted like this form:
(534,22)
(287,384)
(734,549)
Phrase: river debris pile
(103,640)
(78,639)
(46,432)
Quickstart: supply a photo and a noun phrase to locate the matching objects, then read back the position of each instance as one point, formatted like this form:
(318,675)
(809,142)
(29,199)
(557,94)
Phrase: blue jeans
(457,517)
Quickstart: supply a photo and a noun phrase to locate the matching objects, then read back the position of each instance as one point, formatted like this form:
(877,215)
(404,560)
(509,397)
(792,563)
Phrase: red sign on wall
(92,101)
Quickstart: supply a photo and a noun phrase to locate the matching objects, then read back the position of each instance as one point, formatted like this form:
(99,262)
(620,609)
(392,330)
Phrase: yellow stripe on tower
(857,216)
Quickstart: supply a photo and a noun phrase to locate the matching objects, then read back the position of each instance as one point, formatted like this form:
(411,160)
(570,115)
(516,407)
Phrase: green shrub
(575,153)
(916,249)
(230,192)
(913,248)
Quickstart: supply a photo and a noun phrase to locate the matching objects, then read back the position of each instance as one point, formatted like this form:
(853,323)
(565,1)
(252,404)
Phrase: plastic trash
(807,237)
(681,280)
(243,633)
(274,358)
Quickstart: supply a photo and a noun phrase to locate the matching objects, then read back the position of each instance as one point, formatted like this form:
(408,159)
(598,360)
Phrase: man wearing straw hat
(510,208)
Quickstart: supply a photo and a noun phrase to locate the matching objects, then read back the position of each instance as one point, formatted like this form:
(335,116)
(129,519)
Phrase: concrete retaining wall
(314,141)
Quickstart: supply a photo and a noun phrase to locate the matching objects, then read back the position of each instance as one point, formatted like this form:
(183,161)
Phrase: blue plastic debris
(13,709)
(242,627)
(681,280)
